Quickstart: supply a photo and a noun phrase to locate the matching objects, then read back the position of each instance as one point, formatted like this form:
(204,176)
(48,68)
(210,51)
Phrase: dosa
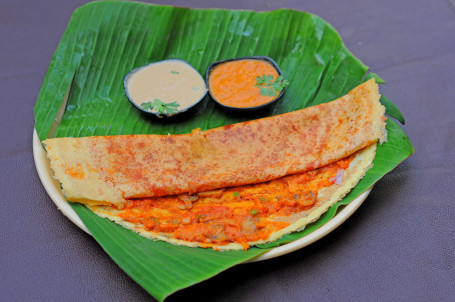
(109,170)
(239,217)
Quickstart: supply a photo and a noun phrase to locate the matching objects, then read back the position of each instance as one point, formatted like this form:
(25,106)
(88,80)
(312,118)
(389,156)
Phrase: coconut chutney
(168,86)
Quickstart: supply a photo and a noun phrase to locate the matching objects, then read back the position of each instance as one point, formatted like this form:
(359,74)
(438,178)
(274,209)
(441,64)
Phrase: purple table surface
(400,244)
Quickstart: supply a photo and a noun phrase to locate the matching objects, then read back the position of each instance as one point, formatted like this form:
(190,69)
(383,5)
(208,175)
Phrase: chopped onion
(338,179)
(188,200)
(212,193)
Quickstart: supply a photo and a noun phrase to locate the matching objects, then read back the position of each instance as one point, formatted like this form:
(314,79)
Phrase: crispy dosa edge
(370,91)
(326,198)
(73,183)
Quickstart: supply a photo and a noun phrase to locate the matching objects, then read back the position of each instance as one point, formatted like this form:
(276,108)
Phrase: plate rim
(52,187)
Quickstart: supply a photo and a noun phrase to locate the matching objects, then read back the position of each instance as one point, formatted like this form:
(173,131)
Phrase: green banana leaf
(105,40)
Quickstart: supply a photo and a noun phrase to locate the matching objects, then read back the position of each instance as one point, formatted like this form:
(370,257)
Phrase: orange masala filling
(233,215)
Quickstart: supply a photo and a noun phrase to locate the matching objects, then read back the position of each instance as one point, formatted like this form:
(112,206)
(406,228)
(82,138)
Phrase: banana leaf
(105,40)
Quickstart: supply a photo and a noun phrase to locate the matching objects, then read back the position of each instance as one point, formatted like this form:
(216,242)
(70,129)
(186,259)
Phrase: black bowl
(157,114)
(259,58)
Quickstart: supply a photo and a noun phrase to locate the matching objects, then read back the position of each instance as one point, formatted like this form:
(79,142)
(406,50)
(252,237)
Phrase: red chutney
(233,83)
(239,214)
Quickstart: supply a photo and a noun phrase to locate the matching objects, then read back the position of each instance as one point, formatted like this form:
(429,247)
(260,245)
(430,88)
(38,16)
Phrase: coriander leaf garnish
(267,91)
(147,106)
(236,194)
(160,107)
(174,72)
(264,80)
(268,87)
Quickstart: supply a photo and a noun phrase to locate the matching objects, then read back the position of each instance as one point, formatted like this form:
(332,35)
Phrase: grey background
(400,244)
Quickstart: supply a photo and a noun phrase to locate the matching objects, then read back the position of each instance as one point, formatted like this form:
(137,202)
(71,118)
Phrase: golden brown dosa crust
(116,167)
(327,197)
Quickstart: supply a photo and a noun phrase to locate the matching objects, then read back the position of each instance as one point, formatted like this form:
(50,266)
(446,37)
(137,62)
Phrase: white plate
(52,187)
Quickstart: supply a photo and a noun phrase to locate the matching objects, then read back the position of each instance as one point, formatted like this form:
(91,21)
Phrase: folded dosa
(109,169)
(240,217)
